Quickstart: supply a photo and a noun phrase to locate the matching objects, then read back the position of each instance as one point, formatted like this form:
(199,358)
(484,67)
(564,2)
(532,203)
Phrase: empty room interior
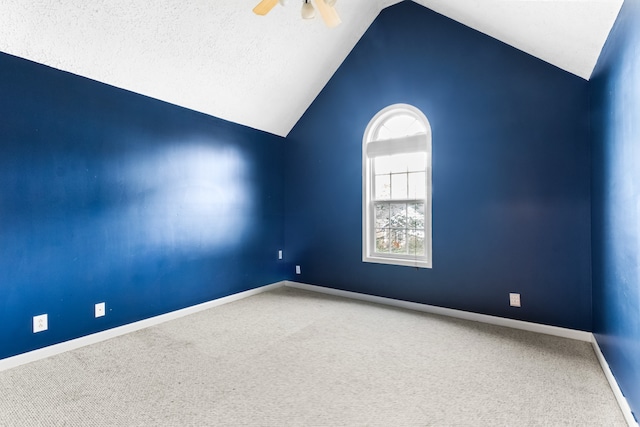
(432,165)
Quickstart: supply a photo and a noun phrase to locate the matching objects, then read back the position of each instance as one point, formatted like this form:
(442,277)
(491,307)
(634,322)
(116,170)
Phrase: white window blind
(406,144)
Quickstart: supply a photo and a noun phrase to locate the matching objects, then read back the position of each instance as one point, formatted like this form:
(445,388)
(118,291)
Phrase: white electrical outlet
(40,323)
(297,269)
(100,309)
(514,300)
(280,254)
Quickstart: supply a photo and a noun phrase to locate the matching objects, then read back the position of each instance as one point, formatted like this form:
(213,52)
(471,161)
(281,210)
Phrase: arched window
(396,188)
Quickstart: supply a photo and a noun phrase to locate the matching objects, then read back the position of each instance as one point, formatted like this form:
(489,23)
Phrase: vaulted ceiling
(218,58)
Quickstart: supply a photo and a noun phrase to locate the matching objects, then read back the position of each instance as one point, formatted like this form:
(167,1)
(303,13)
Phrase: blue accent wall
(109,196)
(615,105)
(511,173)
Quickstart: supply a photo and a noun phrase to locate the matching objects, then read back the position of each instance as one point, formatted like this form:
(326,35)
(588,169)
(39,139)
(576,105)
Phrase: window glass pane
(382,165)
(382,240)
(399,125)
(415,215)
(415,242)
(382,215)
(383,187)
(416,162)
(399,186)
(383,133)
(415,128)
(411,162)
(405,162)
(417,185)
(398,215)
(398,241)
(399,162)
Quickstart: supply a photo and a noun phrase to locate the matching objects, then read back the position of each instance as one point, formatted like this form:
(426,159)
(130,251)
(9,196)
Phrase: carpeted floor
(294,358)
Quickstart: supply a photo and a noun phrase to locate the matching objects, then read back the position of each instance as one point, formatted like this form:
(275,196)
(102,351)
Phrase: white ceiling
(217,57)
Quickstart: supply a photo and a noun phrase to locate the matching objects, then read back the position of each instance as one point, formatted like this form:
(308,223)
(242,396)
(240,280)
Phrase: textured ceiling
(219,58)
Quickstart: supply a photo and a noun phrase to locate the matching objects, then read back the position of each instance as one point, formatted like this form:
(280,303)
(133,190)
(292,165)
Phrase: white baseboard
(484,318)
(42,353)
(622,401)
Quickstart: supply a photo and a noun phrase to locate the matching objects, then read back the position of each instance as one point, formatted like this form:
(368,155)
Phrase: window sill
(398,261)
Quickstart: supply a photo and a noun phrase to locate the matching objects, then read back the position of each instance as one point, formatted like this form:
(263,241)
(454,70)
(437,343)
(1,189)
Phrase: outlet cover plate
(40,323)
(100,309)
(514,300)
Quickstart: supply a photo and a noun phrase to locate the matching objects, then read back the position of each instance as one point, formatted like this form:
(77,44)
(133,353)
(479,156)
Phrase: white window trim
(406,144)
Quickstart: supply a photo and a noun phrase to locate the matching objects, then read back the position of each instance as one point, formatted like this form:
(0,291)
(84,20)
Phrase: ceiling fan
(326,8)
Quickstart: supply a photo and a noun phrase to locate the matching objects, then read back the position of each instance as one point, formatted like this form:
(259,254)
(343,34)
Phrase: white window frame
(372,148)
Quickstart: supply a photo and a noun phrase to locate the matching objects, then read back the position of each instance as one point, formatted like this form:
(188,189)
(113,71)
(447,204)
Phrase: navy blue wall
(511,172)
(615,101)
(110,196)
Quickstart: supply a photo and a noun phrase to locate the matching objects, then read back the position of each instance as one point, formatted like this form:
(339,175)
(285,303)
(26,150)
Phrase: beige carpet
(295,358)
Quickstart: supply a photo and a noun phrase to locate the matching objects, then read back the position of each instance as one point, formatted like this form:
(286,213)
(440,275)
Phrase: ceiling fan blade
(264,7)
(328,13)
